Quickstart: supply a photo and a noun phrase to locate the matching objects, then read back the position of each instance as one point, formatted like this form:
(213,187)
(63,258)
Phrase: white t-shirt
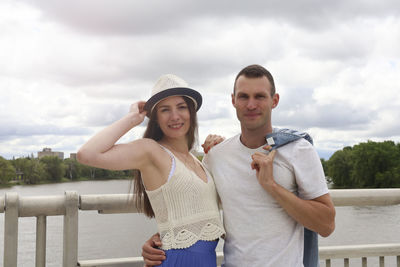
(259,232)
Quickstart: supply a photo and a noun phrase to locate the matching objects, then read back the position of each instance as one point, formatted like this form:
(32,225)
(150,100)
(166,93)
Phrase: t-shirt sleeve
(206,161)
(309,174)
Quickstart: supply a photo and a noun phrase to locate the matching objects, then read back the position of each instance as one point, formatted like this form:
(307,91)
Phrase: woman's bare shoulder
(150,149)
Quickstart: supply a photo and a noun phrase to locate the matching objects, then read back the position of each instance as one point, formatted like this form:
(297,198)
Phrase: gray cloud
(104,114)
(25,130)
(215,113)
(127,17)
(331,116)
(299,109)
(215,107)
(344,45)
(188,43)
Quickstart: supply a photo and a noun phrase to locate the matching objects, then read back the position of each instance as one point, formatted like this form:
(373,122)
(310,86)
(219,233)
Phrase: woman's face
(173,116)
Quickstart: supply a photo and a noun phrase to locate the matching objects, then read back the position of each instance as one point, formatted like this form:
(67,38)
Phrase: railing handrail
(365,197)
(31,206)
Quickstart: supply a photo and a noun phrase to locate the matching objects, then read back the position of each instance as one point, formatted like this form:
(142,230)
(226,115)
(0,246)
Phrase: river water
(122,235)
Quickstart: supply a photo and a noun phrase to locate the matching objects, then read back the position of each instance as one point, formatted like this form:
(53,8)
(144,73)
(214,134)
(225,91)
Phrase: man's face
(253,102)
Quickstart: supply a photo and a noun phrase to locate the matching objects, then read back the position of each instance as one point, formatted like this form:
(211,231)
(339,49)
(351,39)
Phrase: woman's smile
(176,126)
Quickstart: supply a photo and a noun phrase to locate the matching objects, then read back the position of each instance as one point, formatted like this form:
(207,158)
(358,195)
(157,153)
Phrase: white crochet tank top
(186,208)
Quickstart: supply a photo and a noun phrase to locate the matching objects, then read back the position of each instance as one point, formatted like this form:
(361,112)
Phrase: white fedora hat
(171,85)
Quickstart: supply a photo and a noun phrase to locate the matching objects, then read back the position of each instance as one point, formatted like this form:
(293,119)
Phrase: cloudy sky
(69,68)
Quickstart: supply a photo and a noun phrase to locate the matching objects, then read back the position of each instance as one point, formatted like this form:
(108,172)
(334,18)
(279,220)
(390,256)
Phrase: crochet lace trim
(185,236)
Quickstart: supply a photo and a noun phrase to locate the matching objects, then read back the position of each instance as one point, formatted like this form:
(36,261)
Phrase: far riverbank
(13,183)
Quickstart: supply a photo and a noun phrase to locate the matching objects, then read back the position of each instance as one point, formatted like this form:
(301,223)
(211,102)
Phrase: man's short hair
(256,71)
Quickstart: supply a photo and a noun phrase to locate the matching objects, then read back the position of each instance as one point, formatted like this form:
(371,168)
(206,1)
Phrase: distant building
(72,156)
(47,152)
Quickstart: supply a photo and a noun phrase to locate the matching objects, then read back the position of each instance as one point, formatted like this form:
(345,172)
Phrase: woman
(173,185)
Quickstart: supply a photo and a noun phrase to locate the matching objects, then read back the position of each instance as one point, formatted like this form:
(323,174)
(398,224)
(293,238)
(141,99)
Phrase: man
(268,197)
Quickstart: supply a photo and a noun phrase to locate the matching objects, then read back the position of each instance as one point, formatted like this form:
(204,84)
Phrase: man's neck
(254,138)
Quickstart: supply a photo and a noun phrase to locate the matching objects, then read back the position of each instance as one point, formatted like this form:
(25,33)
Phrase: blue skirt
(200,254)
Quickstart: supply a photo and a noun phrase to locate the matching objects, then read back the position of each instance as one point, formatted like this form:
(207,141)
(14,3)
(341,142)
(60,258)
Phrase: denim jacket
(280,137)
(276,139)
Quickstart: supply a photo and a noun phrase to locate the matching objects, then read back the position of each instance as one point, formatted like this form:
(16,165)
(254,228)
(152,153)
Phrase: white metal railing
(68,205)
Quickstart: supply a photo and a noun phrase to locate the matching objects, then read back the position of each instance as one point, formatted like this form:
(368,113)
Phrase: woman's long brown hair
(153,131)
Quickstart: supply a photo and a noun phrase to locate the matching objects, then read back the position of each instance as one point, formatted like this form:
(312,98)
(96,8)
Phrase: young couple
(267,196)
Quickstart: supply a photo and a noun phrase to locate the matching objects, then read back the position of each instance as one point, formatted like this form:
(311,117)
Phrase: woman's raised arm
(101,150)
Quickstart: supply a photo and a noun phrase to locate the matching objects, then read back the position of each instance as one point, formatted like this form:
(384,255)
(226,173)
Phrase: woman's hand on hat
(211,140)
(138,112)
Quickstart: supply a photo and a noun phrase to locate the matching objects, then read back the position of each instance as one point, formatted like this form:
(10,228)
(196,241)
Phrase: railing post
(11,230)
(70,248)
(41,241)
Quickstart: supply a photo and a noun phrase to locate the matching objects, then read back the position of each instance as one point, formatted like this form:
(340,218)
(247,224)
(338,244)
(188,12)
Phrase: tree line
(31,170)
(365,165)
